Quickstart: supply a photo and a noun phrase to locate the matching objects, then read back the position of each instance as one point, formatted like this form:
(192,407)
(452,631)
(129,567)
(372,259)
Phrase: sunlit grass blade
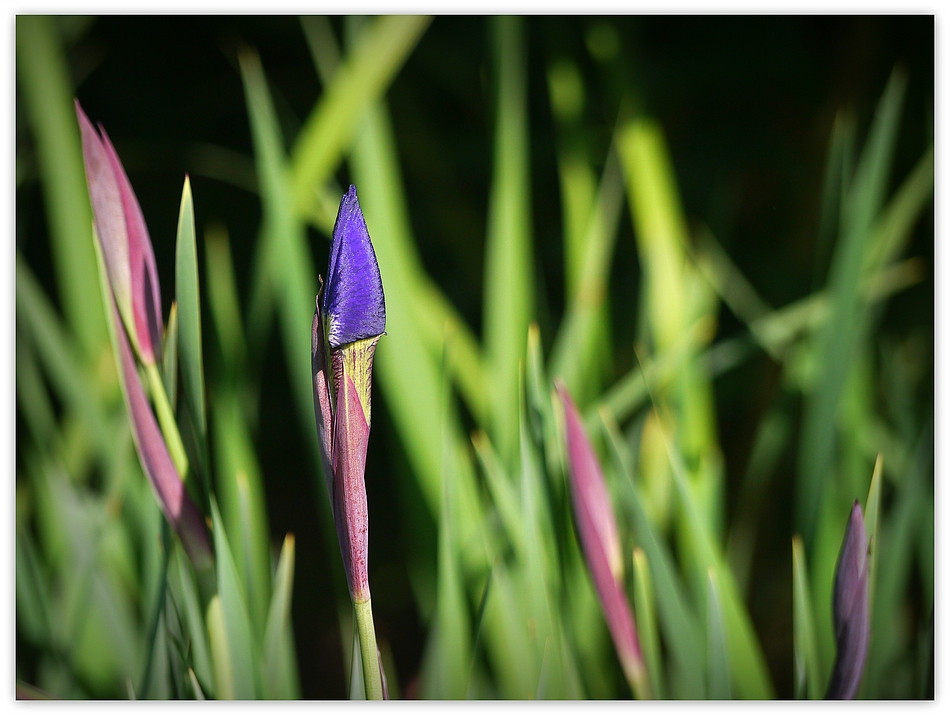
(808,673)
(241,494)
(681,628)
(233,649)
(279,666)
(357,84)
(408,372)
(509,278)
(645,611)
(676,296)
(47,94)
(577,351)
(188,301)
(843,332)
(717,659)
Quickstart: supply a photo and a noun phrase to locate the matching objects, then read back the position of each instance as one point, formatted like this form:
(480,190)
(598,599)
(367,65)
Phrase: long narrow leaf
(509,279)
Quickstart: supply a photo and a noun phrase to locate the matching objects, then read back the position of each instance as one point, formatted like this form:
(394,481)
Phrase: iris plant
(350,317)
(133,301)
(597,529)
(850,608)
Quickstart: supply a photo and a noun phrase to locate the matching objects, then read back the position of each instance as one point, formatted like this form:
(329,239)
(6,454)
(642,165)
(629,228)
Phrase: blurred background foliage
(643,189)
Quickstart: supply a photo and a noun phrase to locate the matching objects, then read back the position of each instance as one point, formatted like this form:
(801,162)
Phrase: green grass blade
(893,228)
(232,645)
(896,544)
(578,347)
(509,278)
(32,395)
(189,315)
(185,587)
(633,390)
(837,174)
(681,627)
(279,667)
(287,257)
(48,98)
(170,357)
(361,80)
(717,665)
(453,622)
(645,610)
(747,663)
(808,672)
(502,491)
(843,331)
(223,300)
(58,355)
(408,372)
(241,493)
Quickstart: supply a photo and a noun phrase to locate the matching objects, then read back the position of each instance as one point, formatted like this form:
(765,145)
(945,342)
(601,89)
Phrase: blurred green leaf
(357,84)
(32,396)
(48,97)
(279,667)
(60,359)
(681,627)
(509,279)
(645,610)
(408,372)
(716,654)
(578,346)
(240,490)
(808,673)
(747,663)
(233,649)
(223,299)
(184,587)
(844,329)
(170,357)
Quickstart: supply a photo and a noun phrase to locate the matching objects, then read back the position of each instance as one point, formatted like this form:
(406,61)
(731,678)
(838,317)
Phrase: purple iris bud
(346,327)
(126,247)
(597,529)
(353,304)
(850,608)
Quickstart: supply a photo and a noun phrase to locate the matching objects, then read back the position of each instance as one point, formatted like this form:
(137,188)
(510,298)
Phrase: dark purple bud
(597,530)
(851,619)
(126,247)
(182,514)
(353,304)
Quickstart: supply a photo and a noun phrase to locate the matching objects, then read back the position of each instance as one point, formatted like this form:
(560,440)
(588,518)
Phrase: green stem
(364,625)
(166,419)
